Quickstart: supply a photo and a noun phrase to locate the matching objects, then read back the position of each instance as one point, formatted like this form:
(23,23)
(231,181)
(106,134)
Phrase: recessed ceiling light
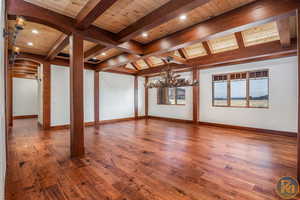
(145,34)
(94,58)
(182,17)
(34,31)
(29,43)
(103,54)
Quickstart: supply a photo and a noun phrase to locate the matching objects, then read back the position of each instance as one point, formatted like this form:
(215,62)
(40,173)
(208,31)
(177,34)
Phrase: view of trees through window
(245,89)
(171,96)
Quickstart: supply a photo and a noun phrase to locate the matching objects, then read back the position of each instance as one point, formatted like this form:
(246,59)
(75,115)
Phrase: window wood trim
(165,96)
(248,78)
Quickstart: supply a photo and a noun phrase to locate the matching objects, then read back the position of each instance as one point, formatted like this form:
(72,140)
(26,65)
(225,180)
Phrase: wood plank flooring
(147,159)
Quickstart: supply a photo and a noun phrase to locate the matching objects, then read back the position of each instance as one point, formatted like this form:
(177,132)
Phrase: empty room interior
(149,100)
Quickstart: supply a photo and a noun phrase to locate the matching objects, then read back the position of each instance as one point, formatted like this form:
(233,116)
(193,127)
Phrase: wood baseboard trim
(59,127)
(25,117)
(110,121)
(170,119)
(66,126)
(282,133)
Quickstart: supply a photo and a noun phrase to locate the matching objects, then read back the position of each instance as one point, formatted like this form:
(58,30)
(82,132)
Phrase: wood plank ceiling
(122,14)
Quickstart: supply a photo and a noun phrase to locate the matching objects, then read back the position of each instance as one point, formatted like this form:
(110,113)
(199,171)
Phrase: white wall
(25,97)
(2,107)
(60,95)
(282,112)
(141,95)
(116,96)
(89,96)
(172,111)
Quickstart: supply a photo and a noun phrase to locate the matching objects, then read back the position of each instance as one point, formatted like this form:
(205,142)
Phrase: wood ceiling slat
(91,11)
(195,50)
(87,45)
(42,42)
(261,34)
(59,45)
(142,64)
(126,12)
(155,61)
(166,12)
(222,44)
(199,14)
(69,8)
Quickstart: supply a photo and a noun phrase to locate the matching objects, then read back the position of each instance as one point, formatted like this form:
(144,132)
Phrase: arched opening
(26,88)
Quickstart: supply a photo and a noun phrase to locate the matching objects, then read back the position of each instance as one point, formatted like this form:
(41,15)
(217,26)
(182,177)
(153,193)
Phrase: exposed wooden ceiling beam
(116,61)
(122,70)
(95,51)
(136,66)
(56,61)
(182,53)
(239,39)
(283,26)
(176,59)
(59,45)
(159,16)
(91,11)
(206,47)
(236,20)
(252,53)
(148,62)
(132,47)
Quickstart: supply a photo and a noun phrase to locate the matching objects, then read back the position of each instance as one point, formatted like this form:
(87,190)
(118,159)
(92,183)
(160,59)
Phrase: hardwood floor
(154,159)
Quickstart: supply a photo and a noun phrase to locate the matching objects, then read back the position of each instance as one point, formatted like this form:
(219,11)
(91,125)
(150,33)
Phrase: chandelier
(169,79)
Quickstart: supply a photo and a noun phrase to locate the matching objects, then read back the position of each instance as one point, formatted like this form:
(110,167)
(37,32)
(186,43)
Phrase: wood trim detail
(146,98)
(298,135)
(196,96)
(46,95)
(170,119)
(25,117)
(244,128)
(136,97)
(96,96)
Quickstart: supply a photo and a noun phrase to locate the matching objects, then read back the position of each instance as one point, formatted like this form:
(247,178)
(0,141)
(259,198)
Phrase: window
(243,89)
(220,91)
(171,96)
(259,89)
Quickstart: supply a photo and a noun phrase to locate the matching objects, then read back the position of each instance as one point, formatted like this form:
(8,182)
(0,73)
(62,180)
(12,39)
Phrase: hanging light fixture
(19,26)
(169,79)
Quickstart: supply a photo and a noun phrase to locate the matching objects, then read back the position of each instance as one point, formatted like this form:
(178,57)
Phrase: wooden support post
(298,134)
(195,96)
(146,99)
(96,97)
(46,95)
(136,98)
(76,95)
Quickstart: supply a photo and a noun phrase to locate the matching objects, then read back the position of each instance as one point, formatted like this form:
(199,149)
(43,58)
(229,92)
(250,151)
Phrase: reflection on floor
(147,159)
